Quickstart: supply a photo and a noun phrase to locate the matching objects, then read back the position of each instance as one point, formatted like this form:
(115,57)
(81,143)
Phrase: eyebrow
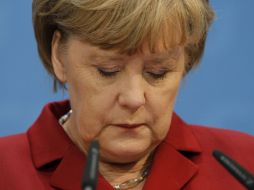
(108,57)
(158,59)
(171,54)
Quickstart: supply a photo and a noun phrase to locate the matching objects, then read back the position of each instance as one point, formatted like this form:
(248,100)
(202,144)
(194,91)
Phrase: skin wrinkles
(132,96)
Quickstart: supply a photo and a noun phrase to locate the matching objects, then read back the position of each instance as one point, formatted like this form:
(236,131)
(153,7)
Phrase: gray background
(220,93)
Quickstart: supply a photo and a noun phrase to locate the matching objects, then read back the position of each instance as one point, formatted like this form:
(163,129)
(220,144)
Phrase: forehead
(155,57)
(96,53)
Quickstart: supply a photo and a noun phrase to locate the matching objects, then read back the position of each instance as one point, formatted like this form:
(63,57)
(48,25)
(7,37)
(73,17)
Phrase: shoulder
(13,141)
(220,136)
(237,144)
(13,147)
(210,138)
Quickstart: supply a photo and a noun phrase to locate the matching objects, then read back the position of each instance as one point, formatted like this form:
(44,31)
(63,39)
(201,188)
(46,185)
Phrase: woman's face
(125,102)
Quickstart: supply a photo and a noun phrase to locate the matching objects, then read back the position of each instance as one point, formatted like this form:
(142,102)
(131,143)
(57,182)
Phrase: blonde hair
(123,25)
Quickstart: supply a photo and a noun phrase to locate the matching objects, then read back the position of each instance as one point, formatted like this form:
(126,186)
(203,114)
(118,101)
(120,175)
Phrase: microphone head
(235,169)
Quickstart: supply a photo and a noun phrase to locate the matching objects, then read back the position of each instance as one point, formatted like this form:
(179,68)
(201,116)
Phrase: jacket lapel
(68,175)
(69,172)
(172,168)
(48,141)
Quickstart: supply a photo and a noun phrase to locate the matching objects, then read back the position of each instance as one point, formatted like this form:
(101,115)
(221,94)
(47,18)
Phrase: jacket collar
(47,139)
(171,169)
(49,143)
(181,136)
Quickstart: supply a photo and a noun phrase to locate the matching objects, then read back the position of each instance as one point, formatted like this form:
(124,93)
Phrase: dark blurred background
(220,93)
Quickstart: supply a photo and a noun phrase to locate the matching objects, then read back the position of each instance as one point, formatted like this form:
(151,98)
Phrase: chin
(125,152)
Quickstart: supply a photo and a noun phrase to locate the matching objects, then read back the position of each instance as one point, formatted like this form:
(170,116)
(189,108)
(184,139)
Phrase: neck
(118,173)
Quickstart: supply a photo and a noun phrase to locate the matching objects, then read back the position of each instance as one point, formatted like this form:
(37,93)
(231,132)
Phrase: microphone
(90,175)
(241,174)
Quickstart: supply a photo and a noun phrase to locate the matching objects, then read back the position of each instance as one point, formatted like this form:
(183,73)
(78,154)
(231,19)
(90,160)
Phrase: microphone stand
(90,175)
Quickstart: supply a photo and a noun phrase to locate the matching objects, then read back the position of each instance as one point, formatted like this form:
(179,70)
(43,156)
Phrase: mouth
(130,126)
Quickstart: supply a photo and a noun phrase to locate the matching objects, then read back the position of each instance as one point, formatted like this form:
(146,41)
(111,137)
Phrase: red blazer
(45,158)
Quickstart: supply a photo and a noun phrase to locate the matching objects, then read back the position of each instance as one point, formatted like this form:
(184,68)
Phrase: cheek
(162,108)
(90,108)
(162,116)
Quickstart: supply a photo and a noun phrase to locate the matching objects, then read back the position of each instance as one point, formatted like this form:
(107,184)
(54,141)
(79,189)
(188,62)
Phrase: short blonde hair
(123,25)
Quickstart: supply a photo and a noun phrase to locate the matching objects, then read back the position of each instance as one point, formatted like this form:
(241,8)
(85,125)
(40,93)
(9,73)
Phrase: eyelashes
(105,73)
(158,75)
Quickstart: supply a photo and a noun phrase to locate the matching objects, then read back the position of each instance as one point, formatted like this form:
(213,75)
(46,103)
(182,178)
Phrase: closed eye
(107,73)
(158,75)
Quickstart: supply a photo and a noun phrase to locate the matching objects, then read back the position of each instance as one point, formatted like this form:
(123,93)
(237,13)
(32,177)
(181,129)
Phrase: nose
(132,94)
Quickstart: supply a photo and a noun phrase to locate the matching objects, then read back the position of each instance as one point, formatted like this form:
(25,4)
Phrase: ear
(56,54)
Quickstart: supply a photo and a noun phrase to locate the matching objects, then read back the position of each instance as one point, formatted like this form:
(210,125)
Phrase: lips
(129,126)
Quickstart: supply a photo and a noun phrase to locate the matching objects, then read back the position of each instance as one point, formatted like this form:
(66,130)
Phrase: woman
(122,63)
